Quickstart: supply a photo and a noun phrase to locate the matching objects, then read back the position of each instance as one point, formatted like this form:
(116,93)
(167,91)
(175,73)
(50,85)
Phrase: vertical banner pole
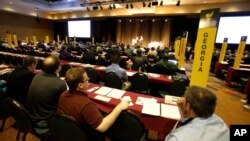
(47,39)
(240,51)
(74,40)
(223,50)
(93,40)
(177,47)
(58,38)
(34,40)
(27,39)
(183,44)
(9,39)
(204,47)
(15,39)
(66,39)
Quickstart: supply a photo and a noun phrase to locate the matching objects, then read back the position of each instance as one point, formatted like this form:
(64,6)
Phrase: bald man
(44,92)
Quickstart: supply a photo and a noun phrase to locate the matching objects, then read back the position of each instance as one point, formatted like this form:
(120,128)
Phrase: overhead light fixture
(161,3)
(178,3)
(144,4)
(126,6)
(149,4)
(154,3)
(131,6)
(110,7)
(95,7)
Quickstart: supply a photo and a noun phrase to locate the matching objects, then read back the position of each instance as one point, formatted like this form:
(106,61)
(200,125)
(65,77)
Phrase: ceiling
(57,9)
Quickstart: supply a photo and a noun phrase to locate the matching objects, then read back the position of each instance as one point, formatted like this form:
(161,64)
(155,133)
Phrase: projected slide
(80,29)
(233,28)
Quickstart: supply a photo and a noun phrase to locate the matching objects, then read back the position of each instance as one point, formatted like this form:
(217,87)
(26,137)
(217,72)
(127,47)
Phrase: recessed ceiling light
(11,3)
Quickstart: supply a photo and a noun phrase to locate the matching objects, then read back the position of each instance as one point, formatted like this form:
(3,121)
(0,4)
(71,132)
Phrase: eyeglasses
(87,80)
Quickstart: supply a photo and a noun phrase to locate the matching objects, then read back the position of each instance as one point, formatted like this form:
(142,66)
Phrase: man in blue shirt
(114,67)
(201,124)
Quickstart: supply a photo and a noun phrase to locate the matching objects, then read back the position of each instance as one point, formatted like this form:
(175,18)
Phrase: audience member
(164,66)
(64,54)
(20,79)
(188,52)
(114,67)
(246,99)
(152,52)
(198,105)
(246,102)
(44,92)
(139,61)
(76,103)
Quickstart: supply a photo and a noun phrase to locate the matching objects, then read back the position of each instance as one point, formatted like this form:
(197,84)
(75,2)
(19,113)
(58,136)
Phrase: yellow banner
(15,39)
(93,40)
(203,54)
(177,48)
(47,39)
(240,51)
(34,40)
(27,39)
(9,39)
(183,44)
(223,50)
(58,38)
(66,39)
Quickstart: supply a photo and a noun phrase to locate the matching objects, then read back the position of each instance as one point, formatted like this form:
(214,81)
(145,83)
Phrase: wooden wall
(25,26)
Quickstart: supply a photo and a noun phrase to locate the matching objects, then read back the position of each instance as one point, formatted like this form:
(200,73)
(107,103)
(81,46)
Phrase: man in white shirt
(201,123)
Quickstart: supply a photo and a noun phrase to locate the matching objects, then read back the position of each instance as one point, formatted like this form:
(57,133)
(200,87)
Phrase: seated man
(202,124)
(139,61)
(76,103)
(164,66)
(19,80)
(114,67)
(44,93)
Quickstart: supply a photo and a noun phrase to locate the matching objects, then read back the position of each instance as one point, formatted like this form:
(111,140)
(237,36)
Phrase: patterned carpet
(229,107)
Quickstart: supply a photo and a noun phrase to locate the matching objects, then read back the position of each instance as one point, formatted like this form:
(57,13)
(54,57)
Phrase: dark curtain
(157,30)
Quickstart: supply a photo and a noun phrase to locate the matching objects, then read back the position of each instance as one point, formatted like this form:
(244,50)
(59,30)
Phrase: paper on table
(88,65)
(151,108)
(103,98)
(92,89)
(153,75)
(142,100)
(115,93)
(103,90)
(130,73)
(170,77)
(74,63)
(170,111)
(171,99)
